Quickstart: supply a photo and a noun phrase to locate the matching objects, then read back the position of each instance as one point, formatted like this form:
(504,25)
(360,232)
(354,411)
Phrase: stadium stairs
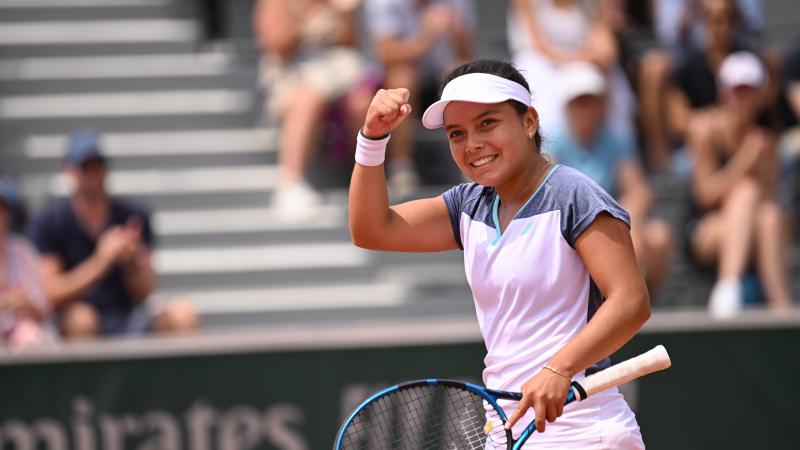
(182,129)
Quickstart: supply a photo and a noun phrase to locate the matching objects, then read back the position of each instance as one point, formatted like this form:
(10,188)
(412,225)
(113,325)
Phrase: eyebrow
(478,117)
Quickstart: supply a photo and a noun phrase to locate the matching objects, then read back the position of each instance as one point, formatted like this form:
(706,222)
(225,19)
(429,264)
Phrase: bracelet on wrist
(556,371)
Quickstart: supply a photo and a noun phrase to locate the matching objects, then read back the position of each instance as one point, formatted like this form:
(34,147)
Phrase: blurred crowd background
(171,166)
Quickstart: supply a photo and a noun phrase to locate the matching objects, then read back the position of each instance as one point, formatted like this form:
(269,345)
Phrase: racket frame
(490,395)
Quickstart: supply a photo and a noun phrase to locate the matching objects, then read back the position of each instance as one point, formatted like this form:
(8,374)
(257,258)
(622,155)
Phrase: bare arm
(794,97)
(679,111)
(601,48)
(524,10)
(420,225)
(436,21)
(140,277)
(635,193)
(461,39)
(710,182)
(62,287)
(607,251)
(276,26)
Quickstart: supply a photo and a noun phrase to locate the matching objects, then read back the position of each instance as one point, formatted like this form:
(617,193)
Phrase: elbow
(362,238)
(643,308)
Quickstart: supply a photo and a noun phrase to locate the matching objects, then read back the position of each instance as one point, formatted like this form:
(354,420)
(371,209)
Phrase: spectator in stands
(309,61)
(417,41)
(735,178)
(674,83)
(589,144)
(23,306)
(96,255)
(790,97)
(789,144)
(544,34)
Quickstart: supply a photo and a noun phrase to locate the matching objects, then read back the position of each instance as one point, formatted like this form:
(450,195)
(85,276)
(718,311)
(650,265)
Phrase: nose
(474,143)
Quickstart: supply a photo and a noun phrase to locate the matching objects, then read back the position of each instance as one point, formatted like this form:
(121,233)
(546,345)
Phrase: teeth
(483,161)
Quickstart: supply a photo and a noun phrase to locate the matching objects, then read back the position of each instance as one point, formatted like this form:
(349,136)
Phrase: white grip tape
(370,152)
(649,362)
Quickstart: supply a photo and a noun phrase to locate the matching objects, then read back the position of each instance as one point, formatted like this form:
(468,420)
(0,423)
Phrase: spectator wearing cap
(417,42)
(23,306)
(588,143)
(741,226)
(96,255)
(692,85)
(543,35)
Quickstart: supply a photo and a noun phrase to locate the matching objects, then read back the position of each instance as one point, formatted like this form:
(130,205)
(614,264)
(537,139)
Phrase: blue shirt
(600,162)
(57,231)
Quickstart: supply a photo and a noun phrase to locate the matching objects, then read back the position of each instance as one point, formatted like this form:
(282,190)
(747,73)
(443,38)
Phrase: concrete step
(87,74)
(125,104)
(99,49)
(61,10)
(240,226)
(131,124)
(42,153)
(306,297)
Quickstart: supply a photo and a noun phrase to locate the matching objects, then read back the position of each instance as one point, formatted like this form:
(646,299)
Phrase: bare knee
(745,192)
(769,218)
(305,100)
(79,320)
(177,316)
(401,75)
(659,237)
(706,238)
(655,66)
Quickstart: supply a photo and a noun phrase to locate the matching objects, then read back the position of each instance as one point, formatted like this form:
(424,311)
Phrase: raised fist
(388,108)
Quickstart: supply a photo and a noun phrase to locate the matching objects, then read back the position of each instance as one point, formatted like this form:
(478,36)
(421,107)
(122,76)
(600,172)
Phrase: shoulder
(124,209)
(53,214)
(20,245)
(567,179)
(580,199)
(464,196)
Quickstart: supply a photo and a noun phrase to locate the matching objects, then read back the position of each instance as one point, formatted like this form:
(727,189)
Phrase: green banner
(726,390)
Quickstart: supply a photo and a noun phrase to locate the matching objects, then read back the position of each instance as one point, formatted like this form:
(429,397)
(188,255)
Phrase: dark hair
(501,69)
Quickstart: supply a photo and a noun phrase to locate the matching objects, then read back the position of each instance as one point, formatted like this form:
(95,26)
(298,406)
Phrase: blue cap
(84,145)
(8,192)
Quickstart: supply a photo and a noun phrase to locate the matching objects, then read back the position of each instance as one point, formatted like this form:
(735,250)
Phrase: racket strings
(426,417)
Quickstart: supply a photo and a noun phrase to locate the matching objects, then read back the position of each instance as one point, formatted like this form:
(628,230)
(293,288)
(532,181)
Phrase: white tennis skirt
(601,422)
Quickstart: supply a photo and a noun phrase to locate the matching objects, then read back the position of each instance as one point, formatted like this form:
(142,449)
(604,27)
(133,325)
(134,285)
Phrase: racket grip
(571,397)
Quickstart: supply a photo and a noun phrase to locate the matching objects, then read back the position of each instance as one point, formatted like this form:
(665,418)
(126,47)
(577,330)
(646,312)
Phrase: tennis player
(547,252)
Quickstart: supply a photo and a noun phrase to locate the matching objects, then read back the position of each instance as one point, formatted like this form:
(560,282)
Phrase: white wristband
(370,152)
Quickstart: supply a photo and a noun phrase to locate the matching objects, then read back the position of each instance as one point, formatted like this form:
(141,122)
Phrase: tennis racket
(446,415)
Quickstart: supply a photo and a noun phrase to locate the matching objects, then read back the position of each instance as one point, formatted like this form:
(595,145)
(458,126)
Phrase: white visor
(475,88)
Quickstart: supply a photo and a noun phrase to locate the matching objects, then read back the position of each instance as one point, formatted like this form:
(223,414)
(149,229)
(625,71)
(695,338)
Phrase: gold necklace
(535,179)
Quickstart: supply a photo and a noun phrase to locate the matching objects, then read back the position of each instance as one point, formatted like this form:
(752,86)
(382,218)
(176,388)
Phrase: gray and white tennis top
(532,292)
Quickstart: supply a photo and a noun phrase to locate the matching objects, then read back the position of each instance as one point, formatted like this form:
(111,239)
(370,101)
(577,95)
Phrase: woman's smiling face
(490,143)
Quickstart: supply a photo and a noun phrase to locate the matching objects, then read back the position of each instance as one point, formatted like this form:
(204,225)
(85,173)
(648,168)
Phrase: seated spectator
(589,144)
(790,140)
(544,34)
(96,255)
(668,100)
(417,42)
(23,306)
(309,61)
(734,181)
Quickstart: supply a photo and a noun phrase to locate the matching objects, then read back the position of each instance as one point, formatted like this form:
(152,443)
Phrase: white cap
(581,78)
(475,88)
(742,69)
